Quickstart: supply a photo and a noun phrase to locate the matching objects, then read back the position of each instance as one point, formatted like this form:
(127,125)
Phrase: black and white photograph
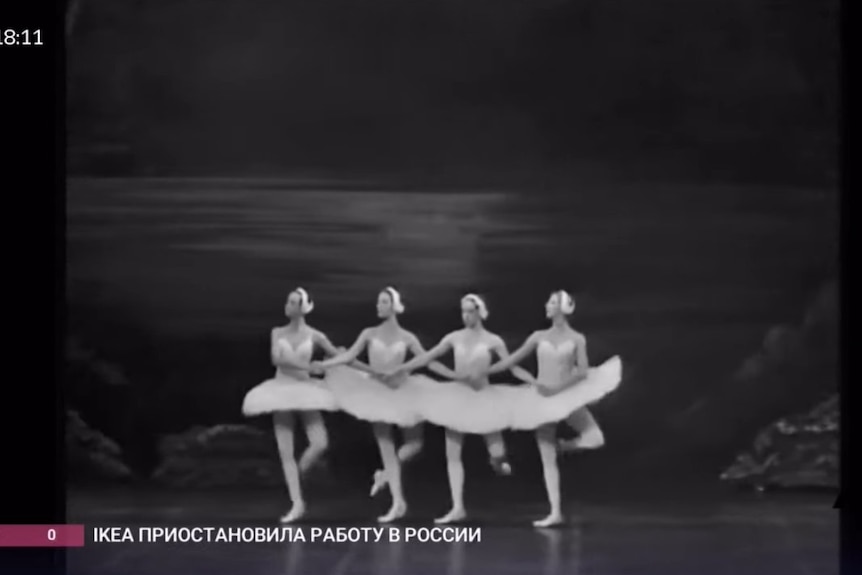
(453,287)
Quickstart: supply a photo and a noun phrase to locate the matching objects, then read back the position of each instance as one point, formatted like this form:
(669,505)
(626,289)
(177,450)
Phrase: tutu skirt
(530,410)
(369,399)
(456,406)
(286,393)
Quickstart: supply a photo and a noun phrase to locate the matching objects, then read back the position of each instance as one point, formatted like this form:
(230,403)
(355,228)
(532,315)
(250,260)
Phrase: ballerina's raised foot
(379,482)
(397,511)
(501,466)
(551,520)
(295,513)
(454,516)
(313,466)
(583,442)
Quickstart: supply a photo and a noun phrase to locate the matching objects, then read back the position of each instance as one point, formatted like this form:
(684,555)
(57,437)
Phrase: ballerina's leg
(413,443)
(590,435)
(392,469)
(318,440)
(412,446)
(283,424)
(546,441)
(497,453)
(455,470)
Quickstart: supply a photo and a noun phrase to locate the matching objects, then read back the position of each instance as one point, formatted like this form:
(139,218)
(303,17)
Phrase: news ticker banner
(78,535)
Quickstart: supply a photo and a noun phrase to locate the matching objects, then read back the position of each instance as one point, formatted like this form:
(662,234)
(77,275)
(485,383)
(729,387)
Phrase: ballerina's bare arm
(499,347)
(274,351)
(582,363)
(349,355)
(518,356)
(417,350)
(429,356)
(278,359)
(333,352)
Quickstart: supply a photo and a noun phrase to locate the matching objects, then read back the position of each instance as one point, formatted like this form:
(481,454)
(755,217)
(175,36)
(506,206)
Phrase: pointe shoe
(549,521)
(296,513)
(454,516)
(317,468)
(398,511)
(582,443)
(501,467)
(380,482)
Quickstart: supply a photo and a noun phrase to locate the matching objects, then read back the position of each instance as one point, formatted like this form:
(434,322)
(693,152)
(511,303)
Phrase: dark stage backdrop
(672,164)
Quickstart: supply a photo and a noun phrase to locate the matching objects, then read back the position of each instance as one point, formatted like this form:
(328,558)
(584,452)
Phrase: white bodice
(554,360)
(471,359)
(300,354)
(383,356)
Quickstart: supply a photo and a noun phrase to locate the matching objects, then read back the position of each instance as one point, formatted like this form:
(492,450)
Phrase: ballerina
(384,403)
(292,390)
(469,404)
(564,386)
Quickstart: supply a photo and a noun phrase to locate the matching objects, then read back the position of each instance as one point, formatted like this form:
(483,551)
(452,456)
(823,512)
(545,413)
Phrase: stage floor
(727,533)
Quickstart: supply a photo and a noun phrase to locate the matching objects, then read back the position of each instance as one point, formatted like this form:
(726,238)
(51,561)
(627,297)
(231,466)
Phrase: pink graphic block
(41,535)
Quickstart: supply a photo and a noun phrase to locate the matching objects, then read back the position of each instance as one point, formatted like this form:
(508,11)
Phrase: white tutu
(530,410)
(286,393)
(369,399)
(456,406)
